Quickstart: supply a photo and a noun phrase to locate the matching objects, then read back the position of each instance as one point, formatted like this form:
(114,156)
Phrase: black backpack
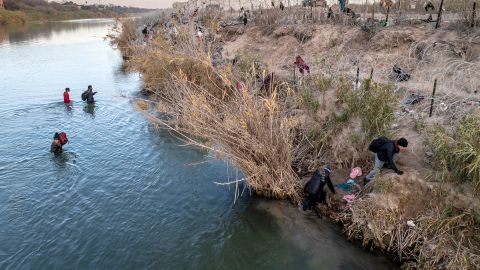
(84,96)
(376,144)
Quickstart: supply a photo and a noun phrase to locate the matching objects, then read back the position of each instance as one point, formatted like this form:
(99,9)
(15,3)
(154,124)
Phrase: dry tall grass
(248,130)
(442,237)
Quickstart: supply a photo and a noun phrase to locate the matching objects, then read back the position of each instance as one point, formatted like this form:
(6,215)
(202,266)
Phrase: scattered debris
(401,76)
(413,98)
(348,185)
(301,65)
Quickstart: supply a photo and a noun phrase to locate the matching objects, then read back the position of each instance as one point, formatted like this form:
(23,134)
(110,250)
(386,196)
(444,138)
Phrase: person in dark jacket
(90,95)
(386,157)
(314,188)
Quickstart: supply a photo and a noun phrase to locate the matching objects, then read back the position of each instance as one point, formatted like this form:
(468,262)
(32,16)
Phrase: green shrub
(309,101)
(373,104)
(457,153)
(12,17)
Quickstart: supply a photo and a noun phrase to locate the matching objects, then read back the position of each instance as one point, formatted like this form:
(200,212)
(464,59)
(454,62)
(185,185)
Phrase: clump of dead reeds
(122,36)
(250,131)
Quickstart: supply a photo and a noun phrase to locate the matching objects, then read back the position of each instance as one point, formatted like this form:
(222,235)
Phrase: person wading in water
(88,95)
(59,140)
(66,96)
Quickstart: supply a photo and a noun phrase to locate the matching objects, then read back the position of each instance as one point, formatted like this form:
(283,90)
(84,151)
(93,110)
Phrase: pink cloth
(349,198)
(356,172)
(238,86)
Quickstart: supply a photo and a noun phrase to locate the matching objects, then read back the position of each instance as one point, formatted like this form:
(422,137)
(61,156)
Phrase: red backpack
(63,138)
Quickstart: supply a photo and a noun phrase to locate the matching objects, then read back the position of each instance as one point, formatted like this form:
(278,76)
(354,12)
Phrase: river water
(125,195)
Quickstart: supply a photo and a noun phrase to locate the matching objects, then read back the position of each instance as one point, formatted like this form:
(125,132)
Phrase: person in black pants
(314,188)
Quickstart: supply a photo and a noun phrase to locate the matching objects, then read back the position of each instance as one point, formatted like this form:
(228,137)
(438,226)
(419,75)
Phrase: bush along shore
(20,12)
(234,90)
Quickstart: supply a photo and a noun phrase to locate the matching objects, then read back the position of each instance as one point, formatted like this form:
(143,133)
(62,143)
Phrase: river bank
(278,129)
(22,17)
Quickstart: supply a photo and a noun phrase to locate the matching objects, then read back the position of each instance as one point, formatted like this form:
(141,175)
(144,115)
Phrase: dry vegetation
(276,134)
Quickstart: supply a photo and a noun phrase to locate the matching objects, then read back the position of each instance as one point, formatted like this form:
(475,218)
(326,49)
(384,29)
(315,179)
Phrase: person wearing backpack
(314,188)
(386,152)
(59,140)
(88,95)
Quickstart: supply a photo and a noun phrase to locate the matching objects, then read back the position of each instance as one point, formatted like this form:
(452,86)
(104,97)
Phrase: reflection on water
(49,31)
(123,194)
(90,109)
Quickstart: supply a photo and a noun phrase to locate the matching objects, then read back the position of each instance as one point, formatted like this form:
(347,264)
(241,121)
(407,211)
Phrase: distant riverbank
(21,17)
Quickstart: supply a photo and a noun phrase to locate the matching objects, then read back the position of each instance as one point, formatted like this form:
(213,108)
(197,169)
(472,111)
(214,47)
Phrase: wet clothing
(314,189)
(66,97)
(90,95)
(56,147)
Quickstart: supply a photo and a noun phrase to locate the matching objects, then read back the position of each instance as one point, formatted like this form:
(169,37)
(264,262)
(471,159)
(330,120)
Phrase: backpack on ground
(84,96)
(63,138)
(376,144)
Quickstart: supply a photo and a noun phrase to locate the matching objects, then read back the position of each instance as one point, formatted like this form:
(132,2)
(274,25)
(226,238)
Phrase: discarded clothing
(356,172)
(346,185)
(267,82)
(349,198)
(400,75)
(429,6)
(412,98)
(238,86)
(330,13)
(301,65)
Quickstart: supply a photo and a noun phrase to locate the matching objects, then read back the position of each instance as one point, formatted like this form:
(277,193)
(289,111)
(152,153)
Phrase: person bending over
(386,153)
(314,189)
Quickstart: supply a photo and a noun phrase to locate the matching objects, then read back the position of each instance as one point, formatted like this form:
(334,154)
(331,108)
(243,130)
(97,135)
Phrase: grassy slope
(22,17)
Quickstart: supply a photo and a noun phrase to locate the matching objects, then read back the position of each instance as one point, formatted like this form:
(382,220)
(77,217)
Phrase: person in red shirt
(66,96)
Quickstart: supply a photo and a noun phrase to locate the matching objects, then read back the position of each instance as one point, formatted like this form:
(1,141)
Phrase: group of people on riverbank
(386,153)
(60,138)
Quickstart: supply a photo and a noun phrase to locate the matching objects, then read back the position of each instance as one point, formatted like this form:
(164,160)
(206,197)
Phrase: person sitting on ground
(66,96)
(386,153)
(314,188)
(59,139)
(88,95)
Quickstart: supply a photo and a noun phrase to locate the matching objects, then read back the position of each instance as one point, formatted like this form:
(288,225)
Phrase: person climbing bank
(386,153)
(314,188)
